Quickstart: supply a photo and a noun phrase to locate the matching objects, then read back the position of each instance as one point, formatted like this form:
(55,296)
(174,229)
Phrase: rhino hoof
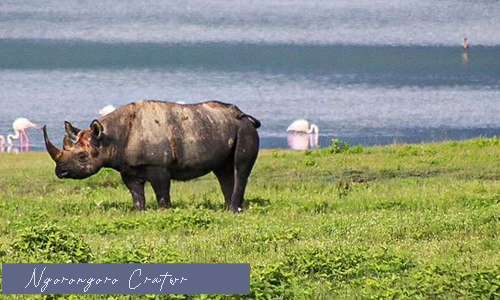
(237,210)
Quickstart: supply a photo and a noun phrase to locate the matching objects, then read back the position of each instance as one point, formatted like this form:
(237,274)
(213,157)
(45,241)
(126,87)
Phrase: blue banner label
(125,278)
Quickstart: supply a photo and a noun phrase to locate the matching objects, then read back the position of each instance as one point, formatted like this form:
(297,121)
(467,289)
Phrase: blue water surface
(367,72)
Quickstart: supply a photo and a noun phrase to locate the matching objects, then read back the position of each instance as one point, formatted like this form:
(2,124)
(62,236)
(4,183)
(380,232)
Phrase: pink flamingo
(302,135)
(2,143)
(303,126)
(302,141)
(20,125)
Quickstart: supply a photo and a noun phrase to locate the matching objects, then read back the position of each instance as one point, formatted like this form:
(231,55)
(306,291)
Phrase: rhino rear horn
(68,144)
(71,131)
(55,153)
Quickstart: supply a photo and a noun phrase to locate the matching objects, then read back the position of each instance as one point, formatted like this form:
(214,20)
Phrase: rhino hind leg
(136,187)
(225,175)
(159,177)
(246,151)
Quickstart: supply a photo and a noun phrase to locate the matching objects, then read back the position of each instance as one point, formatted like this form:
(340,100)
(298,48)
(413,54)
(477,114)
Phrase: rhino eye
(82,157)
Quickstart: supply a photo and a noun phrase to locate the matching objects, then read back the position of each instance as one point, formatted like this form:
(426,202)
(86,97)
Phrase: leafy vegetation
(342,222)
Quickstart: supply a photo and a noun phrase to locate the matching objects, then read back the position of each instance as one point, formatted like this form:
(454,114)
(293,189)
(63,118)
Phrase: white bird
(2,143)
(106,110)
(20,125)
(12,150)
(303,126)
(301,141)
(298,141)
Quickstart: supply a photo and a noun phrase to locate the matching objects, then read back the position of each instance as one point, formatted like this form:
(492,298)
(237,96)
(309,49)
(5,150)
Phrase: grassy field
(402,221)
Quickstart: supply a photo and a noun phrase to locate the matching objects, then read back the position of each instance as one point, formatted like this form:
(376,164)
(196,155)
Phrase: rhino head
(82,153)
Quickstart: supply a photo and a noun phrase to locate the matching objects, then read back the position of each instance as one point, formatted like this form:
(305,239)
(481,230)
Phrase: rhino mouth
(64,172)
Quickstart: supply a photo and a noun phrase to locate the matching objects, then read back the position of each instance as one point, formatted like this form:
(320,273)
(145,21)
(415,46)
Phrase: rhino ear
(97,129)
(71,131)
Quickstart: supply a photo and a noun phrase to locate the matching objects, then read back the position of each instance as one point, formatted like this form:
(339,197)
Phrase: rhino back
(182,137)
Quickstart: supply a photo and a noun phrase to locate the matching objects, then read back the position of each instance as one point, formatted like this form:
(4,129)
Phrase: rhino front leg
(160,181)
(136,188)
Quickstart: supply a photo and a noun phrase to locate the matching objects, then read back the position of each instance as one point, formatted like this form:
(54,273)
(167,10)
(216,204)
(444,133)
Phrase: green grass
(402,221)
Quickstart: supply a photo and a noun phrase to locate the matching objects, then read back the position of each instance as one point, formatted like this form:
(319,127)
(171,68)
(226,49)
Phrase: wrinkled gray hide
(159,141)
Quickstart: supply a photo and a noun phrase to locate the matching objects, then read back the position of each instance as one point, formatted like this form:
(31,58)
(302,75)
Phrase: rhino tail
(256,123)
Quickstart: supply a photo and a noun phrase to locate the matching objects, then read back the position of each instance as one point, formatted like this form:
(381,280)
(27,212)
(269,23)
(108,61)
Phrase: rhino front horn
(53,151)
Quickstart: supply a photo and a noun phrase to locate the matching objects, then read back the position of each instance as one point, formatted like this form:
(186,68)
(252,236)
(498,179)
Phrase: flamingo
(106,110)
(301,141)
(298,141)
(2,143)
(20,125)
(303,126)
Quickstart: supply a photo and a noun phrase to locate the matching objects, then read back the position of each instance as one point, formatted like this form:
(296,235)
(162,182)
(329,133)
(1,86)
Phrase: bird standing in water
(20,125)
(465,53)
(465,44)
(2,143)
(302,135)
(303,126)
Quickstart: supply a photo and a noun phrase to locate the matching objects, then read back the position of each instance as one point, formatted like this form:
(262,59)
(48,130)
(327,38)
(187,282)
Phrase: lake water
(367,72)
